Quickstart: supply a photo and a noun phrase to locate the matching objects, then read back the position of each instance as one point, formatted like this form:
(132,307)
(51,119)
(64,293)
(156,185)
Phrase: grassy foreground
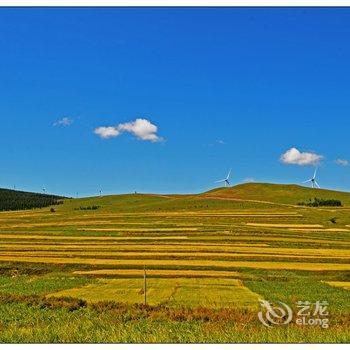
(75,274)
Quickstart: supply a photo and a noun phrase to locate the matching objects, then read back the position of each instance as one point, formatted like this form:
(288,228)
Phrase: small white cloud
(220,142)
(143,129)
(294,156)
(106,132)
(248,179)
(342,162)
(65,121)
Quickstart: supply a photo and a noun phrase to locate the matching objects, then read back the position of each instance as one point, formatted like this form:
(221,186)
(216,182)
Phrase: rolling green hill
(19,200)
(157,203)
(244,196)
(282,194)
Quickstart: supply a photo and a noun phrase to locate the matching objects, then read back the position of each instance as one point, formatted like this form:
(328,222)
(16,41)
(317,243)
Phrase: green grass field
(77,275)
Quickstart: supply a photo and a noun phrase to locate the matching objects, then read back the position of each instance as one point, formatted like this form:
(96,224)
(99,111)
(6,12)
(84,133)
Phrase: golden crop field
(159,273)
(184,292)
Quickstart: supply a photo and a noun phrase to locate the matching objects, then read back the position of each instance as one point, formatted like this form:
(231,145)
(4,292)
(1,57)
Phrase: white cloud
(65,121)
(294,156)
(106,132)
(221,142)
(342,162)
(249,179)
(143,129)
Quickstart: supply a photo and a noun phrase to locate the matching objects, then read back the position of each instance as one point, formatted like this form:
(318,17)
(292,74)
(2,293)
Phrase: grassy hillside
(283,194)
(158,203)
(19,200)
(245,196)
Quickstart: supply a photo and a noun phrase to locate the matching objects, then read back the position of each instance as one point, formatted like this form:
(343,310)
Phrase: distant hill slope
(246,196)
(19,200)
(283,194)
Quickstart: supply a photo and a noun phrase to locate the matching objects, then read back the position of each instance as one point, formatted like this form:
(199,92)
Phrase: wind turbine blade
(317,185)
(220,181)
(304,182)
(315,173)
(229,173)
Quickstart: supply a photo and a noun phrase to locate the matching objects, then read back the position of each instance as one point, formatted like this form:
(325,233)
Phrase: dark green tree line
(20,200)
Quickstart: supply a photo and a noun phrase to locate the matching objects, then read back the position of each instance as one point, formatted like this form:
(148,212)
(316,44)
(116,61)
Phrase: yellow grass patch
(337,230)
(175,229)
(284,225)
(319,230)
(340,284)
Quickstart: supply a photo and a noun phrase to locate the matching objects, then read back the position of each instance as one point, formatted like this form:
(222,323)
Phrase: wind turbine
(44,190)
(313,181)
(225,180)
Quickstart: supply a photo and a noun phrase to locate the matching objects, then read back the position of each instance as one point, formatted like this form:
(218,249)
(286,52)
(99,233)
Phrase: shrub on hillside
(319,202)
(92,207)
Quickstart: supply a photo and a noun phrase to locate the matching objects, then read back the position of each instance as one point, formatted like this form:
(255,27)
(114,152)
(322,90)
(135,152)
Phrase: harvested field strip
(91,238)
(278,238)
(340,284)
(180,246)
(22,214)
(251,250)
(199,263)
(162,255)
(117,238)
(182,215)
(185,292)
(154,273)
(59,223)
(284,225)
(78,218)
(96,223)
(175,229)
(196,214)
(145,244)
(319,230)
(121,247)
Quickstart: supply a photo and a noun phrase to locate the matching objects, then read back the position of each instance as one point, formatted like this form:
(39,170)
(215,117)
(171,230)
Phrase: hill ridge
(276,193)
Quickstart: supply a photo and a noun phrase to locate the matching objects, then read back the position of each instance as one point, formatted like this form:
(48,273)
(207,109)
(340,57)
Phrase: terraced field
(209,251)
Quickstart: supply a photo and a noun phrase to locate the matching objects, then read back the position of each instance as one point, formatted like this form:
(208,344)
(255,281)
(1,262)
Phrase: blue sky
(225,88)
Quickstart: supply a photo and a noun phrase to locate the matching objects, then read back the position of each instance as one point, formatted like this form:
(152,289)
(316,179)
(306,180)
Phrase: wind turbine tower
(314,183)
(225,180)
